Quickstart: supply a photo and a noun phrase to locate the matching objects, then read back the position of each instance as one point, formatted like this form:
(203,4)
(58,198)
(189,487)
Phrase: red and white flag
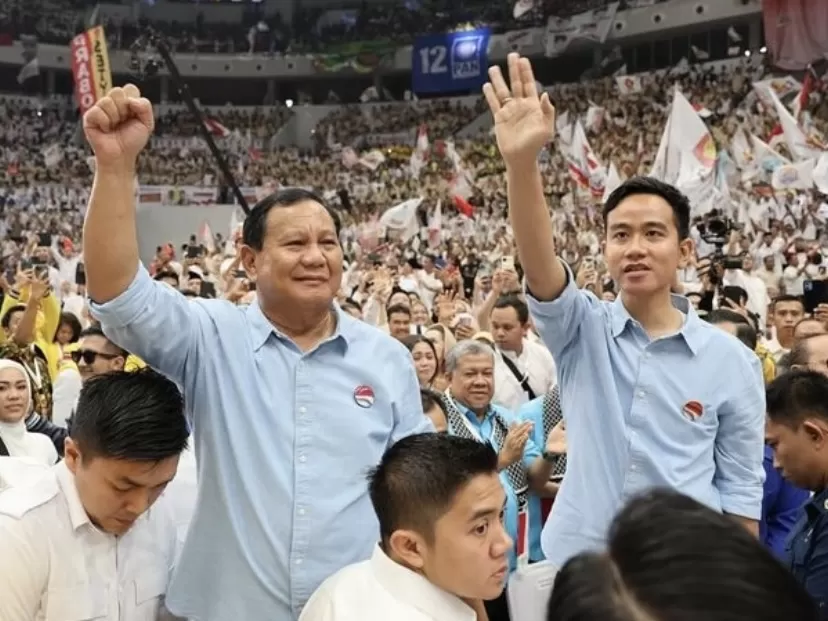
(217,129)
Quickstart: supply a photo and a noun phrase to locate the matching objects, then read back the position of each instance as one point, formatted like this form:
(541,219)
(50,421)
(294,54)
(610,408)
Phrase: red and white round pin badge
(364,396)
(693,410)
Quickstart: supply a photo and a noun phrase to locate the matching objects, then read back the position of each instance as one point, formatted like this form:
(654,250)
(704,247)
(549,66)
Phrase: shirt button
(302,458)
(303,409)
(301,512)
(642,394)
(298,561)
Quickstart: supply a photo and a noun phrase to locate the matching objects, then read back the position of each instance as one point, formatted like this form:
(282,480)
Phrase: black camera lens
(716,227)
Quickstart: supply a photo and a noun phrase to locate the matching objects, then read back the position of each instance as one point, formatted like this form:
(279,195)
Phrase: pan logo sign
(466,56)
(451,62)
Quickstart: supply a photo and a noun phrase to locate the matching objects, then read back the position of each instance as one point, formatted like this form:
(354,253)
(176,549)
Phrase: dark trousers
(498,609)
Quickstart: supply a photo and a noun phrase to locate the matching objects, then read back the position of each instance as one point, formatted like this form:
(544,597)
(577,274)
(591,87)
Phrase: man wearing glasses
(95,355)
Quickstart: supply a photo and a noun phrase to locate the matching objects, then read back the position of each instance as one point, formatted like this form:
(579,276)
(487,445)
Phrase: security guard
(85,540)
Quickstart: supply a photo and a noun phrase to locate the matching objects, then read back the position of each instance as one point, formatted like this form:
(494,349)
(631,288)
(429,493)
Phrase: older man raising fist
(290,399)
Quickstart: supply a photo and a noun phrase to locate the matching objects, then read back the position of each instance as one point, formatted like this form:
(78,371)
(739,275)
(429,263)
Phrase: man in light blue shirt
(652,395)
(291,400)
(470,413)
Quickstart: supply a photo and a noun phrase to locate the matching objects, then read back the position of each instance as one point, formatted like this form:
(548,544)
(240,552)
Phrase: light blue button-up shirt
(624,395)
(283,446)
(532,412)
(485,429)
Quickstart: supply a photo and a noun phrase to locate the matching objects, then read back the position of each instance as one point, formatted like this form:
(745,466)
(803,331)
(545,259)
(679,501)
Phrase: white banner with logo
(590,26)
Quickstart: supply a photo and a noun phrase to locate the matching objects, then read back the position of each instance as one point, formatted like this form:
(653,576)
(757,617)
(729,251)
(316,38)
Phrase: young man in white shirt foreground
(443,548)
(84,541)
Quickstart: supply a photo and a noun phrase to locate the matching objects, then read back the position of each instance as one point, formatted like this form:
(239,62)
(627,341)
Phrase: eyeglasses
(88,356)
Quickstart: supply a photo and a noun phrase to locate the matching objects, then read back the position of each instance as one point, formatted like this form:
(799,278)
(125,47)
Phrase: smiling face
(472,382)
(14,395)
(642,249)
(300,261)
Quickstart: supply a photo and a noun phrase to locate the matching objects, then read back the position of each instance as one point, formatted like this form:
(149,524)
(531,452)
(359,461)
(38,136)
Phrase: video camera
(716,230)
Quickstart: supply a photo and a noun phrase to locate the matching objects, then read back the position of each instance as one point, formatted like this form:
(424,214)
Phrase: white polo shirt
(380,589)
(55,565)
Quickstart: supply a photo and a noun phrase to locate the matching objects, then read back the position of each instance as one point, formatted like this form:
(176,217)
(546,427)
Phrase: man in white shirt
(524,370)
(758,299)
(442,548)
(81,542)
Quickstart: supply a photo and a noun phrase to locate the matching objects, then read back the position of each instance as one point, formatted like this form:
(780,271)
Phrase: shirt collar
(818,505)
(77,514)
(414,590)
(692,331)
(66,481)
(262,328)
(466,411)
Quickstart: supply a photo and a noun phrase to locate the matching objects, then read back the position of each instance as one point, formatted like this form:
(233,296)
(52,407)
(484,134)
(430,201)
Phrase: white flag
(612,183)
(798,176)
(30,70)
(402,219)
(522,7)
(820,174)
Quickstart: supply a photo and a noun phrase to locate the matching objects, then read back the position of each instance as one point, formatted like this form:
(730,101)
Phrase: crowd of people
(56,21)
(282,502)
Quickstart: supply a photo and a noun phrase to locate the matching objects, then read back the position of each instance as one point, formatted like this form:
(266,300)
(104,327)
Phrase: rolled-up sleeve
(153,321)
(739,450)
(559,321)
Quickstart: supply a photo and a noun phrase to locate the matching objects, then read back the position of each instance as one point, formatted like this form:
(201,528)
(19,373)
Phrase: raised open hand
(118,127)
(524,122)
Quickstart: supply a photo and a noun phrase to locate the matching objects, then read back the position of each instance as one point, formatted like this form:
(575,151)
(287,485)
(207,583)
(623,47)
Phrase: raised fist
(118,127)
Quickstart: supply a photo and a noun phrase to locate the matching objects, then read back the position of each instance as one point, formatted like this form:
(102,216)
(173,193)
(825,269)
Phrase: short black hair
(674,558)
(725,315)
(134,416)
(6,321)
(418,478)
(69,319)
(398,308)
(745,332)
(787,297)
(513,301)
(96,330)
(167,274)
(796,395)
(650,185)
(253,230)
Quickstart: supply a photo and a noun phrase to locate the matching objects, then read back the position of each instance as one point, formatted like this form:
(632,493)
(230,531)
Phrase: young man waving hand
(653,395)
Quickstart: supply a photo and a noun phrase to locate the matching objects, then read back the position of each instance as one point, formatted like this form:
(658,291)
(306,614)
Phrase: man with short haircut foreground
(84,541)
(442,545)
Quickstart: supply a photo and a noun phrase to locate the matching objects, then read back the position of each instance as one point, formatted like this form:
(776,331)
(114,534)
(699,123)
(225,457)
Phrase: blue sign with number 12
(450,62)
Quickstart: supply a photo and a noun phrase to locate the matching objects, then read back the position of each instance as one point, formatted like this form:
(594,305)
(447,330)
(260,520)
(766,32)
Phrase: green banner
(359,56)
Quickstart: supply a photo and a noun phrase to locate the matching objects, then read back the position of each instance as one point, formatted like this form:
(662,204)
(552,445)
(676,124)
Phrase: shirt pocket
(79,603)
(150,588)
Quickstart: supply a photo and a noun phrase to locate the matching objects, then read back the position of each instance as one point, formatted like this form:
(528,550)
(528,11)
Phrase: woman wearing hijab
(15,405)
